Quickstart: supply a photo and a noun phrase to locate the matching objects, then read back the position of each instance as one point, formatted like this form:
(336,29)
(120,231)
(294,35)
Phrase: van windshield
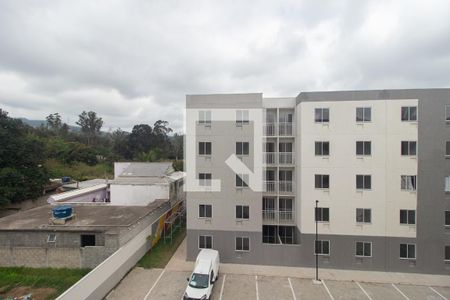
(199,281)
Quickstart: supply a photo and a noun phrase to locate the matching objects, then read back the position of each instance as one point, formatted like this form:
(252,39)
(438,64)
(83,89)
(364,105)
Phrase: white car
(205,274)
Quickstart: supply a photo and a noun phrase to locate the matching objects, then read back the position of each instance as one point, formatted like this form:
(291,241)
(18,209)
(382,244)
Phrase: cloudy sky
(134,61)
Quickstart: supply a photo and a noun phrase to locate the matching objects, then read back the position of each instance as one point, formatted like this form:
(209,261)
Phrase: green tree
(54,122)
(121,145)
(90,125)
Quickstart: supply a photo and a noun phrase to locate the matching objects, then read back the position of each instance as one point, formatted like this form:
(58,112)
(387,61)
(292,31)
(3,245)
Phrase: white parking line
(398,290)
(223,284)
(438,293)
(328,291)
(257,292)
(364,291)
(292,289)
(153,286)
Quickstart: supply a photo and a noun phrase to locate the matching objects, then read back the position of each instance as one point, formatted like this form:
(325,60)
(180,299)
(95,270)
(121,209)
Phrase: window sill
(362,156)
(408,259)
(363,122)
(363,223)
(241,251)
(362,256)
(363,190)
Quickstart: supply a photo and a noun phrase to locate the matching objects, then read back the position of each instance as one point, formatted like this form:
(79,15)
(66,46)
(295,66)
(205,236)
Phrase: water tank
(62,211)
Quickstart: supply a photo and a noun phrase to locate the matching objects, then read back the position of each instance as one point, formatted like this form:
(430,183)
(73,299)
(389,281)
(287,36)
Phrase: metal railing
(281,217)
(286,158)
(285,128)
(285,186)
(270,186)
(270,129)
(269,158)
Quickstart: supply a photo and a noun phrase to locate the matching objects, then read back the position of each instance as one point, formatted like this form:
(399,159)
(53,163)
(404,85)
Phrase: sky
(133,61)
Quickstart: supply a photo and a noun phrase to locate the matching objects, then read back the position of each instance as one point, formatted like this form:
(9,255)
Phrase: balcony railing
(269,158)
(270,129)
(281,217)
(270,186)
(285,128)
(285,186)
(286,158)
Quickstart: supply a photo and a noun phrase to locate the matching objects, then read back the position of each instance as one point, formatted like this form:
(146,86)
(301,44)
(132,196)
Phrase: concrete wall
(138,195)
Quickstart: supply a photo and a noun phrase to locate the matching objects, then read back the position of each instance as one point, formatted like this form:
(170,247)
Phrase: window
(447,253)
(409,113)
(241,180)
(364,249)
(322,181)
(242,212)
(87,240)
(408,251)
(242,117)
(447,184)
(242,148)
(447,148)
(51,238)
(363,114)
(322,247)
(205,211)
(409,148)
(322,115)
(363,182)
(205,241)
(322,214)
(447,218)
(322,148)
(204,117)
(363,148)
(242,243)
(205,179)
(363,215)
(408,182)
(407,216)
(447,113)
(204,148)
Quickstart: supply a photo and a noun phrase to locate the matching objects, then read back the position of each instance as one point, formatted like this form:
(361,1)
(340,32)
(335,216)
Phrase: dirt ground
(37,293)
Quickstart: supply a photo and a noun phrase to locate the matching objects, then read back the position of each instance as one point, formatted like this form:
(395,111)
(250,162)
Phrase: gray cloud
(134,61)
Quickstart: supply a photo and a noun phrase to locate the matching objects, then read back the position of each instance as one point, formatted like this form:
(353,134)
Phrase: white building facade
(376,162)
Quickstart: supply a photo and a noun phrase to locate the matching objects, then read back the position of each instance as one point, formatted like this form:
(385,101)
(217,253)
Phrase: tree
(90,125)
(141,139)
(120,144)
(54,121)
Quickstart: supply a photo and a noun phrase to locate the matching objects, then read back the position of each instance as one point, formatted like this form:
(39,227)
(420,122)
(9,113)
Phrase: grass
(160,254)
(78,171)
(58,279)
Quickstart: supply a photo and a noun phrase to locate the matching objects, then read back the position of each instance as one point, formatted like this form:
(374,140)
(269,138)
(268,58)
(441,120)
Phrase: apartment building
(377,162)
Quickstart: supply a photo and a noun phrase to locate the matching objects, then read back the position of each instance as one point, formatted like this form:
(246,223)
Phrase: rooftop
(157,169)
(91,217)
(85,183)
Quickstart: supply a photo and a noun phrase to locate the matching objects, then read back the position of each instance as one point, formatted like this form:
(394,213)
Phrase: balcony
(269,158)
(270,187)
(278,217)
(270,129)
(286,158)
(285,129)
(285,186)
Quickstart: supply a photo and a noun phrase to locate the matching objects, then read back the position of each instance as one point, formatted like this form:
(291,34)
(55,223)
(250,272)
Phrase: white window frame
(364,246)
(321,143)
(321,121)
(407,251)
(364,110)
(204,117)
(447,117)
(242,239)
(242,117)
(321,245)
(363,215)
(364,188)
(408,183)
(242,212)
(321,182)
(240,146)
(206,236)
(447,155)
(205,182)
(244,178)
(445,213)
(321,209)
(447,184)
(204,148)
(409,113)
(408,222)
(51,238)
(364,146)
(408,143)
(206,217)
(446,259)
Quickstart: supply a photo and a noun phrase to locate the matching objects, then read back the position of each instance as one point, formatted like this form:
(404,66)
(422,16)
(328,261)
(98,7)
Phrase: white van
(206,272)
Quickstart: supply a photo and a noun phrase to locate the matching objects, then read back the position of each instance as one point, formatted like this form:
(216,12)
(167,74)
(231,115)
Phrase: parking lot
(169,284)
